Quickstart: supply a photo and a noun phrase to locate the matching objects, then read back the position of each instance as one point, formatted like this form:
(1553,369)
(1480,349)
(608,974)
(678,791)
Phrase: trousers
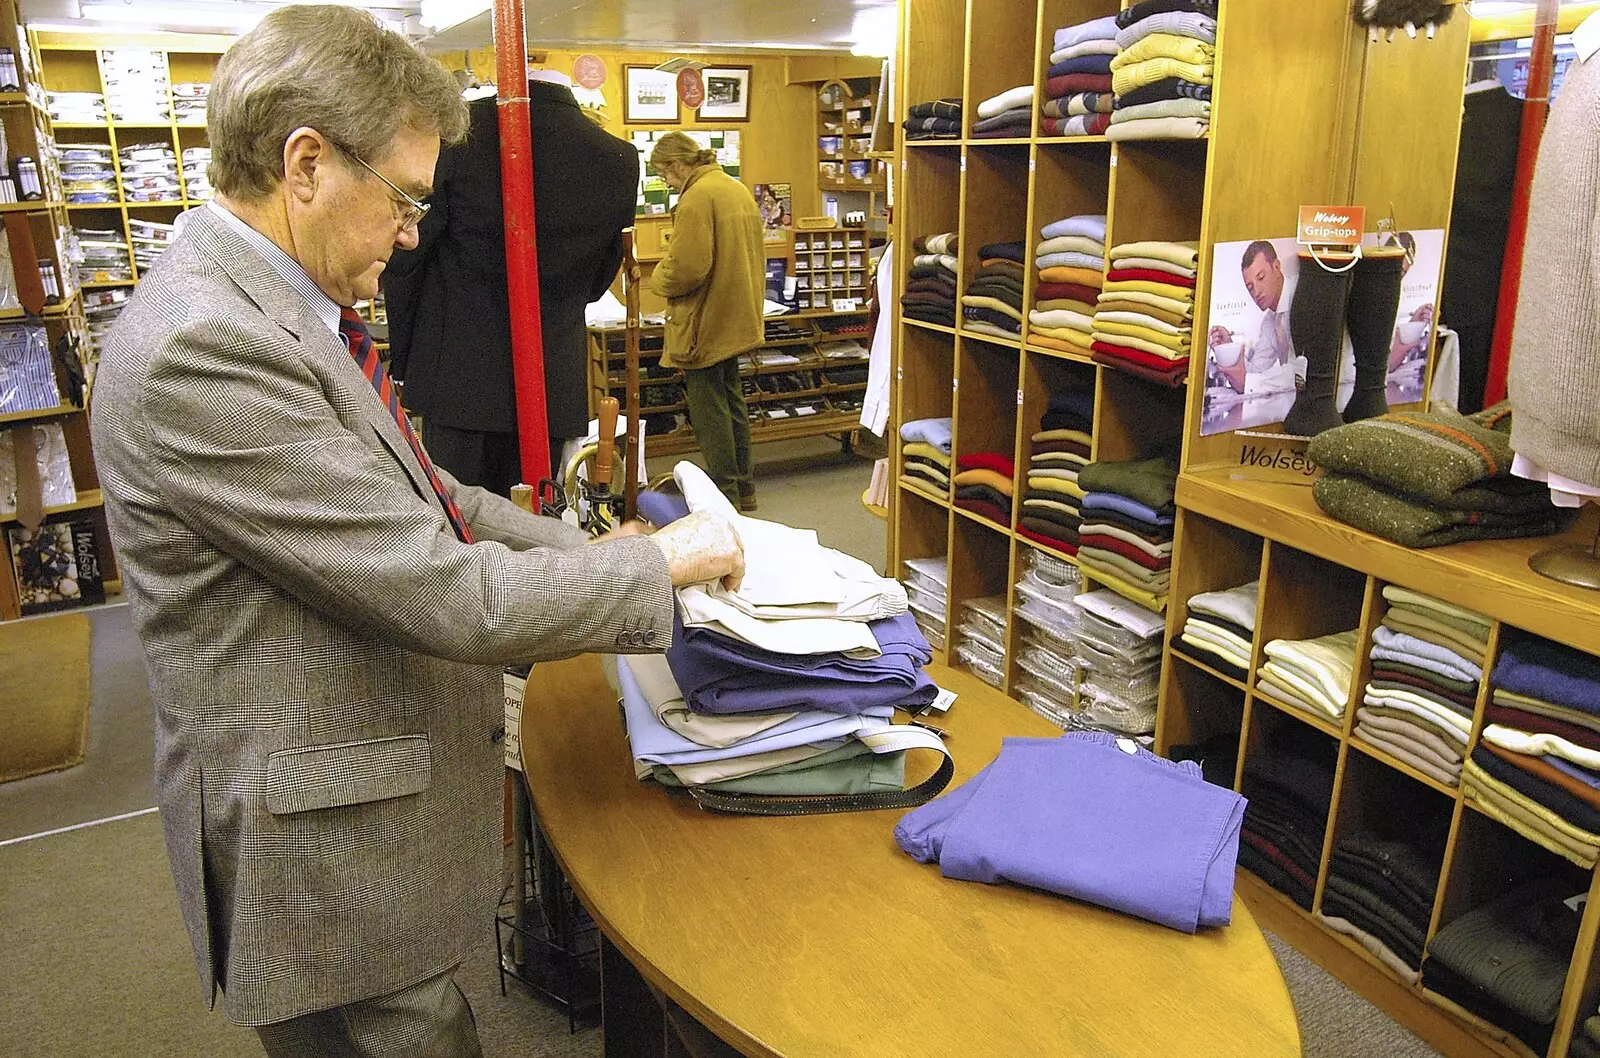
(428,1020)
(490,459)
(721,423)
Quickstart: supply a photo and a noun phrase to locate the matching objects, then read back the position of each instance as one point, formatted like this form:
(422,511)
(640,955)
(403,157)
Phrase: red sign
(1340,226)
(589,71)
(691,87)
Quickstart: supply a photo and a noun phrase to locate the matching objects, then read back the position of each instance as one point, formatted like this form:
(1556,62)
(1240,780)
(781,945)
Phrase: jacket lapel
(282,304)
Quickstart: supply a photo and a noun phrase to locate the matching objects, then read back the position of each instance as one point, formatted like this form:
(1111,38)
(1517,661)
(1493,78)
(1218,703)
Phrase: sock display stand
(1306,110)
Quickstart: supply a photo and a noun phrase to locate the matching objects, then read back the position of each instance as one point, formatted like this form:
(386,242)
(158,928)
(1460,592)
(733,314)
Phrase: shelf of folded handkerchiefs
(1489,576)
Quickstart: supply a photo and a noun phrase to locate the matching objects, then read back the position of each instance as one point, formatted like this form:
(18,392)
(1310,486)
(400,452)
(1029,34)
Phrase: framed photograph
(727,93)
(649,96)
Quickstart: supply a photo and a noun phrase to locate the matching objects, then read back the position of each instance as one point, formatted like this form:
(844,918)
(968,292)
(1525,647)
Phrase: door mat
(44,694)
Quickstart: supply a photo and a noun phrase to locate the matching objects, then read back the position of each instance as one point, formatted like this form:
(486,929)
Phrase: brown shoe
(747,502)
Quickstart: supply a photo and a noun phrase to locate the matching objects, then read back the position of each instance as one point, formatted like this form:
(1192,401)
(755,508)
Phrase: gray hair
(334,69)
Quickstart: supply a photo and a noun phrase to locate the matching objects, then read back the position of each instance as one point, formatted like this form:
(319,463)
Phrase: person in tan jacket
(714,280)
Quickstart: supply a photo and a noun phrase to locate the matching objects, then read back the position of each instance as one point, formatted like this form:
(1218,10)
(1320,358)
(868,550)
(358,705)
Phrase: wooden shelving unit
(847,110)
(1386,118)
(606,360)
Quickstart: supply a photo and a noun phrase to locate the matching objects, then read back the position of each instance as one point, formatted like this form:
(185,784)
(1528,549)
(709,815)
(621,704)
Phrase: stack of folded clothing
(771,689)
(931,290)
(1071,259)
(1080,816)
(1427,659)
(993,302)
(981,642)
(1125,541)
(1380,892)
(1145,313)
(1220,629)
(1507,961)
(927,584)
(1289,783)
(1425,479)
(1311,674)
(983,485)
(1060,449)
(925,455)
(1007,115)
(1163,70)
(1537,768)
(1118,644)
(1048,654)
(939,119)
(1078,85)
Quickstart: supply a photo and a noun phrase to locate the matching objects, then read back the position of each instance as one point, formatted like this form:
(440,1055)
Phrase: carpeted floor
(95,958)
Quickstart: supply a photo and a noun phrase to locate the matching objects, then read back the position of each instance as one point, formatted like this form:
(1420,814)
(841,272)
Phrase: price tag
(963,163)
(1019,398)
(1113,159)
(846,304)
(955,384)
(1031,162)
(899,373)
(943,700)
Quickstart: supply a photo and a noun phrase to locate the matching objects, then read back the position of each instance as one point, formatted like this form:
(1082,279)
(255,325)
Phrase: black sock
(1374,300)
(1316,326)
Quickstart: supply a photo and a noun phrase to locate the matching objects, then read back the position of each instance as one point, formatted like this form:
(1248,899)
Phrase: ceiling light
(440,15)
(875,32)
(196,16)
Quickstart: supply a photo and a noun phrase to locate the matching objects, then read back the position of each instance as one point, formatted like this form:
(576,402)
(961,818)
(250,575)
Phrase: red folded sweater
(1139,356)
(985,509)
(1149,374)
(1000,464)
(1149,275)
(1039,538)
(1126,550)
(1073,83)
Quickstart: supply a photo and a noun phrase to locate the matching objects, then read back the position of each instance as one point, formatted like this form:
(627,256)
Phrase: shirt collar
(1586,38)
(326,309)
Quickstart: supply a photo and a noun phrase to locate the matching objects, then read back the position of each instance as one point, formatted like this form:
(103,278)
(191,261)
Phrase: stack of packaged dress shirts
(1144,316)
(1380,893)
(1008,115)
(1537,767)
(105,256)
(1118,644)
(138,86)
(1078,82)
(76,108)
(101,309)
(1289,781)
(87,173)
(983,485)
(189,102)
(1163,70)
(927,584)
(992,304)
(931,288)
(981,639)
(1427,660)
(1048,655)
(1058,452)
(925,455)
(1311,674)
(781,686)
(196,174)
(150,239)
(1220,629)
(1093,818)
(1125,541)
(1071,261)
(149,173)
(1507,961)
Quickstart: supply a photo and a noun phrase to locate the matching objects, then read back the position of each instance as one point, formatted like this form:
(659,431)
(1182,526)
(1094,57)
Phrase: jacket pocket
(347,773)
(683,329)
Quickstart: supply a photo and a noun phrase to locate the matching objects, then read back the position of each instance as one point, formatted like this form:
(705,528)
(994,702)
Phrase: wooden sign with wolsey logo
(1263,456)
(1332,227)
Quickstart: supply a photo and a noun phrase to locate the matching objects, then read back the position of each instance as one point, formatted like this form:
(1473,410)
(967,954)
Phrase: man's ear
(305,154)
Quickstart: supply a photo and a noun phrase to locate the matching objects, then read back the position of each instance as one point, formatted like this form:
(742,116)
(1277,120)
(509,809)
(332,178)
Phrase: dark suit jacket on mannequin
(449,321)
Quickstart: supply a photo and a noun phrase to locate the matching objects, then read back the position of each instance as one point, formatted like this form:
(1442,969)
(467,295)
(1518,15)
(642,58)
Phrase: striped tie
(366,357)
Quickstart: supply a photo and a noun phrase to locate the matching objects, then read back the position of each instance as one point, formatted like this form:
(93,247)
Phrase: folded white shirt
(1540,745)
(1235,604)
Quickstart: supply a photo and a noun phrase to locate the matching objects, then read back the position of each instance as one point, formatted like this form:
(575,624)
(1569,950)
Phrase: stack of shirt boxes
(1311,674)
(1144,317)
(76,108)
(1163,70)
(1427,661)
(927,584)
(196,174)
(1008,115)
(1118,643)
(1059,450)
(150,173)
(1078,81)
(138,87)
(189,102)
(992,304)
(775,688)
(1071,260)
(104,256)
(1220,629)
(925,455)
(101,309)
(150,239)
(981,639)
(1048,683)
(1125,541)
(1537,767)
(87,173)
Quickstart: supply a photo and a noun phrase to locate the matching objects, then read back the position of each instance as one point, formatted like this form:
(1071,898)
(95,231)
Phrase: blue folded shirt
(1110,501)
(1080,816)
(1549,672)
(1091,64)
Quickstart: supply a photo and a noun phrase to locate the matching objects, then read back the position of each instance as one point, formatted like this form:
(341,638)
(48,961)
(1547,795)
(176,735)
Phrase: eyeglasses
(414,211)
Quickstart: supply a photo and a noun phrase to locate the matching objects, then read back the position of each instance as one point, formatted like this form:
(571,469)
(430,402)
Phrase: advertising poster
(1252,369)
(777,216)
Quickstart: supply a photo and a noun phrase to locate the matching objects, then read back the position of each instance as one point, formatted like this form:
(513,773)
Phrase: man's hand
(702,547)
(1218,336)
(633,527)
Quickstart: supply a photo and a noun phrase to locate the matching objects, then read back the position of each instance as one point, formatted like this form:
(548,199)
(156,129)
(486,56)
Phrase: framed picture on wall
(649,96)
(727,93)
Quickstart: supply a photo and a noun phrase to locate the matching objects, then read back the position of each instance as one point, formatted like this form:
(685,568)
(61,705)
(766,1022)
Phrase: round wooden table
(816,935)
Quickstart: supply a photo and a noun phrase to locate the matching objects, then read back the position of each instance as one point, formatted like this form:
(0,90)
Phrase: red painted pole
(1535,108)
(522,250)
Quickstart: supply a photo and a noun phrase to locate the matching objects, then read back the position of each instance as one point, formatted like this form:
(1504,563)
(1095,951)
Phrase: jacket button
(498,737)
(622,639)
(650,638)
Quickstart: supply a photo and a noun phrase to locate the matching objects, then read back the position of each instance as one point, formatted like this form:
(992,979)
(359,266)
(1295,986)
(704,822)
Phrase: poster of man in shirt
(1252,370)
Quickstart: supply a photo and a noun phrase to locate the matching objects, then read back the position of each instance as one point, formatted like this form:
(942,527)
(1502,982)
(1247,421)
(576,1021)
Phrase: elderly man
(324,613)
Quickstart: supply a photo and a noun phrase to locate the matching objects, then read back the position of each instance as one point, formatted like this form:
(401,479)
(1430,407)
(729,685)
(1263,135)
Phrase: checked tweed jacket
(323,653)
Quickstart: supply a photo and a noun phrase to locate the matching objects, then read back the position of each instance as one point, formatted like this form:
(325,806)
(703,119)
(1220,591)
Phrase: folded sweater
(1145,8)
(1165,46)
(1086,225)
(1138,74)
(1166,108)
(1096,29)
(1180,23)
(1014,97)
(1166,88)
(1411,522)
